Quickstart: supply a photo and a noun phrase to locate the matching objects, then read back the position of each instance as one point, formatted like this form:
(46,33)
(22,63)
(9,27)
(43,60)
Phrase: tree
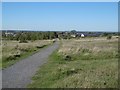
(73,32)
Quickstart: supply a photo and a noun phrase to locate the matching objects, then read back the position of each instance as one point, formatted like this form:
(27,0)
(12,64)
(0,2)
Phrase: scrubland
(12,51)
(80,63)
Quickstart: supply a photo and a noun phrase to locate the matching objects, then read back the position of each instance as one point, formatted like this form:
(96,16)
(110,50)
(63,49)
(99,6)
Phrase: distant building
(9,33)
(82,35)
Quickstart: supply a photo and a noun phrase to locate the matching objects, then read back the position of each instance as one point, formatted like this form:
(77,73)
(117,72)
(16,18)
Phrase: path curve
(19,75)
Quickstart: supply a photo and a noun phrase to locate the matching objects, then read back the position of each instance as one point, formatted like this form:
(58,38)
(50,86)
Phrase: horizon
(60,31)
(62,16)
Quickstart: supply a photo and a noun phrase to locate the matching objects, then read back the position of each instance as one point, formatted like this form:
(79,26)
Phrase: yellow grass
(8,47)
(95,45)
(11,48)
(93,64)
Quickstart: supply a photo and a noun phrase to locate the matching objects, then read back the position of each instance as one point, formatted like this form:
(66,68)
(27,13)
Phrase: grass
(87,68)
(18,51)
(58,73)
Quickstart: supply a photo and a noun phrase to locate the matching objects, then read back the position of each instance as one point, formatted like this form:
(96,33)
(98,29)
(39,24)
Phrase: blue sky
(60,16)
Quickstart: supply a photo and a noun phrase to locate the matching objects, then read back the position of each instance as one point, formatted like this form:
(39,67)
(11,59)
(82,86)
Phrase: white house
(82,35)
(9,33)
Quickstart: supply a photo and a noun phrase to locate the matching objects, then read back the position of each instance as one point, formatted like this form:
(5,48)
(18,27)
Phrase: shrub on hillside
(68,58)
(17,55)
(109,37)
(11,57)
(23,41)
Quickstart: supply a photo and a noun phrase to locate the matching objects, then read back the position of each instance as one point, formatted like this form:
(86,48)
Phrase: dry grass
(11,48)
(94,45)
(93,64)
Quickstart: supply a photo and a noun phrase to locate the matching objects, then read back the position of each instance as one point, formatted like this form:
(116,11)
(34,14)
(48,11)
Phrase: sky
(60,0)
(60,16)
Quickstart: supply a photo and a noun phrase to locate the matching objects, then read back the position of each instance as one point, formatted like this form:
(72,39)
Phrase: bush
(11,57)
(23,41)
(68,58)
(17,55)
(109,37)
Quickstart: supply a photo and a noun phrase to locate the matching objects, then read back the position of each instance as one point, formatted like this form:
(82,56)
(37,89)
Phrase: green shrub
(23,41)
(17,55)
(109,37)
(11,57)
(68,58)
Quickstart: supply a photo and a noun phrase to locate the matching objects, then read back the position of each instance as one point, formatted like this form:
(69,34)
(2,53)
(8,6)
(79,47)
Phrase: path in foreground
(19,75)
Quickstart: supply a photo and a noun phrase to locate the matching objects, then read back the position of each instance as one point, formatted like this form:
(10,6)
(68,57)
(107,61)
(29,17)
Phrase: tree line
(30,35)
(39,35)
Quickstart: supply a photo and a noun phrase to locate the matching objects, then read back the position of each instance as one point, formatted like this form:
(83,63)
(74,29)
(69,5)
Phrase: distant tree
(105,34)
(3,35)
(73,32)
(55,34)
(20,36)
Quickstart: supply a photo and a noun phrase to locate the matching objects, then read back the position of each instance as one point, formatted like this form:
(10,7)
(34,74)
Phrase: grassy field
(12,51)
(81,63)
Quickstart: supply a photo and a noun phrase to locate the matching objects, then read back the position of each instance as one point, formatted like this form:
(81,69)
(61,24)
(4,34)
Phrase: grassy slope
(25,55)
(33,50)
(100,71)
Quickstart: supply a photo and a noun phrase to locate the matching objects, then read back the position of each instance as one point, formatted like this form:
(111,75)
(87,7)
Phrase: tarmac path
(19,75)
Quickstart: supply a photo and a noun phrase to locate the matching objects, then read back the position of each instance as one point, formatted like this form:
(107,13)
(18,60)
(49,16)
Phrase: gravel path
(19,75)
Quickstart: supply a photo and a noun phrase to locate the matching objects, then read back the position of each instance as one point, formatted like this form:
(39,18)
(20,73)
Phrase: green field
(80,63)
(12,51)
